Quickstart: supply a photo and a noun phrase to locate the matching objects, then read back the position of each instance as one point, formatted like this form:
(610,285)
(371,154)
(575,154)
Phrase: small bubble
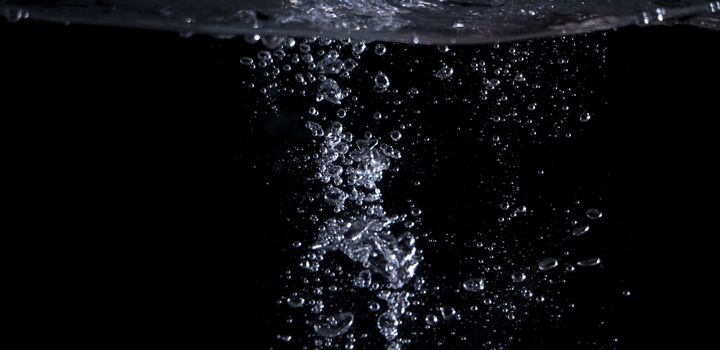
(315,128)
(580,230)
(594,213)
(444,73)
(395,135)
(289,42)
(585,117)
(547,264)
(474,285)
(374,307)
(333,326)
(264,56)
(431,320)
(518,277)
(295,301)
(246,61)
(447,312)
(284,338)
(313,111)
(380,49)
(589,262)
(14,14)
(382,81)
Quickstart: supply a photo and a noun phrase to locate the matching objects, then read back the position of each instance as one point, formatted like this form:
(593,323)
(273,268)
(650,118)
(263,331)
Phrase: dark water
(154,200)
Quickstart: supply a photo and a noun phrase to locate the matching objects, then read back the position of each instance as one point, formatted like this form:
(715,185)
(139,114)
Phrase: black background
(145,200)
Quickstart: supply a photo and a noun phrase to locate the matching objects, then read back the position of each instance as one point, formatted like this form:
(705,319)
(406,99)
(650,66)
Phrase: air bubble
(547,264)
(333,326)
(474,285)
(594,213)
(380,49)
(382,81)
(585,117)
(580,230)
(395,135)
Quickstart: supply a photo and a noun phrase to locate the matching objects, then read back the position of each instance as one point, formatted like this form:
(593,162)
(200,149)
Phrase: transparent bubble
(547,264)
(431,320)
(382,81)
(395,135)
(518,277)
(333,326)
(580,230)
(589,262)
(585,117)
(380,49)
(444,73)
(474,285)
(447,313)
(594,213)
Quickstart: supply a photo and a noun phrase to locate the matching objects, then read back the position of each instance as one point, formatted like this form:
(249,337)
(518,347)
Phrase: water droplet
(246,61)
(431,320)
(377,116)
(474,285)
(333,326)
(580,230)
(626,293)
(589,262)
(585,117)
(284,338)
(547,264)
(313,111)
(593,213)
